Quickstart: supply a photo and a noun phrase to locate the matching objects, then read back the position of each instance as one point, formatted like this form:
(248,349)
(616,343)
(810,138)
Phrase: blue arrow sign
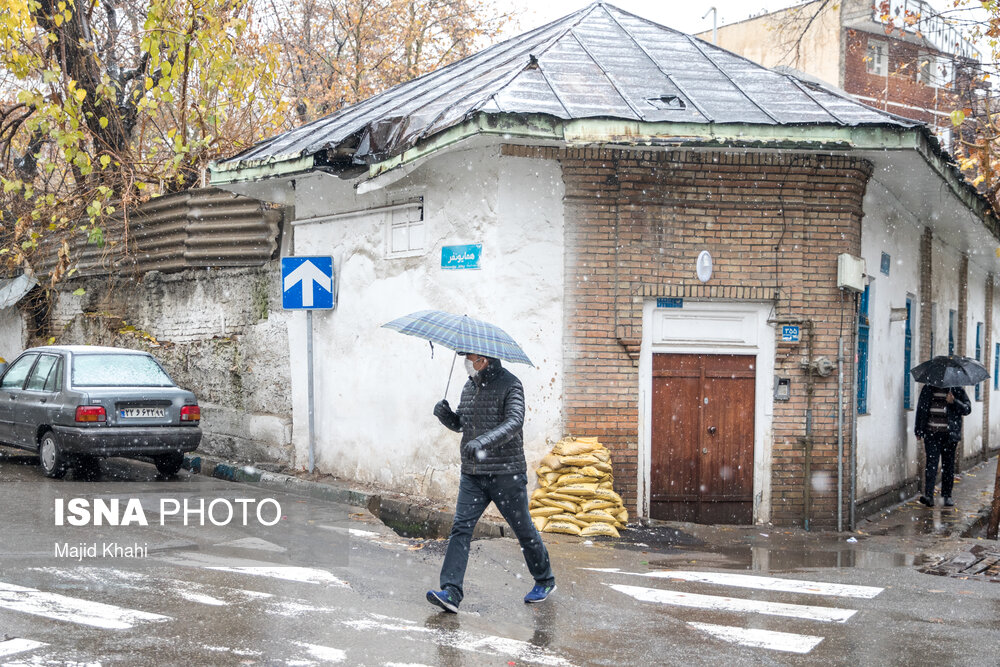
(306,283)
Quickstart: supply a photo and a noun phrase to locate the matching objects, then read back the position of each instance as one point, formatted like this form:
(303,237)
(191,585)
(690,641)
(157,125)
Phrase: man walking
(490,417)
(939,425)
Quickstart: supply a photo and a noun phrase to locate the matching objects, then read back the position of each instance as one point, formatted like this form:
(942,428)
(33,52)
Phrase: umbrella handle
(449,375)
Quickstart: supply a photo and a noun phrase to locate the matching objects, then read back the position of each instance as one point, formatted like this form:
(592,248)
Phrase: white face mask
(470,368)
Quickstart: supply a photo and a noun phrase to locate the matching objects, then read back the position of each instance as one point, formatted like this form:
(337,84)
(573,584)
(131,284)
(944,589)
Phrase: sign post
(307,283)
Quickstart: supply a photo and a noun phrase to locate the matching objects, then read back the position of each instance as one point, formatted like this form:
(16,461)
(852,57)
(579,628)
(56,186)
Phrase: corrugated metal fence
(197,228)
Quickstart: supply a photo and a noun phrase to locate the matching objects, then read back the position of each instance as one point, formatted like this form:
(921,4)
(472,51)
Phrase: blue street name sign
(307,283)
(790,334)
(671,302)
(461,256)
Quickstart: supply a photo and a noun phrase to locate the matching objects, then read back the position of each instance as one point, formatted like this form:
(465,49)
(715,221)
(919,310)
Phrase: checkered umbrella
(461,333)
(950,371)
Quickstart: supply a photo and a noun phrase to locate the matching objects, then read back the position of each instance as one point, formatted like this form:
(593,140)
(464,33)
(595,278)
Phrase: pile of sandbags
(575,493)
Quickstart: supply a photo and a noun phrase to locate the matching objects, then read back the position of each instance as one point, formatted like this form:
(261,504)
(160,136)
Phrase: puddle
(794,559)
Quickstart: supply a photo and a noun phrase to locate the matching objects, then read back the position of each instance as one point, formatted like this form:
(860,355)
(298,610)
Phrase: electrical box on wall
(851,272)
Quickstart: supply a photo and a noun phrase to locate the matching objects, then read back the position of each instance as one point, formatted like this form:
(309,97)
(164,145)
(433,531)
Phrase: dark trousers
(939,446)
(510,494)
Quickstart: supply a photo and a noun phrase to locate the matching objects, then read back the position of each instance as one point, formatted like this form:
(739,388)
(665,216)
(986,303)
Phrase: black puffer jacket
(491,412)
(961,407)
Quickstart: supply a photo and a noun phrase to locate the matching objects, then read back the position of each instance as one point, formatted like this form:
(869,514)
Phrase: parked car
(74,404)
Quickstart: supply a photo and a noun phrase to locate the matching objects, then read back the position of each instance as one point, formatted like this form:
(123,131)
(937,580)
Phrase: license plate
(142,413)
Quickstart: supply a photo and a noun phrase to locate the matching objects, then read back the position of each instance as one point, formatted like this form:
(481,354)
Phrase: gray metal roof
(599,62)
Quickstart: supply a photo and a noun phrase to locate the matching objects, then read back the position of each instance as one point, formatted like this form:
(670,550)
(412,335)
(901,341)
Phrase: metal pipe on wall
(840,434)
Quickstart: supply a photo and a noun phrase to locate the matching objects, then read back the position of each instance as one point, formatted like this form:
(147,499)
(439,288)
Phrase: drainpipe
(810,388)
(840,434)
(854,423)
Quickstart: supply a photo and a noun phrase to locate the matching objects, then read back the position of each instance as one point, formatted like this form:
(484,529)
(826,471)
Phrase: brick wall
(635,223)
(901,92)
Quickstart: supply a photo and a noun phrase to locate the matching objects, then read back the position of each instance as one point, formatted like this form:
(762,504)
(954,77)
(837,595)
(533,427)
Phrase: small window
(908,356)
(877,58)
(935,71)
(979,357)
(864,326)
(996,364)
(933,327)
(951,332)
(40,373)
(406,230)
(15,375)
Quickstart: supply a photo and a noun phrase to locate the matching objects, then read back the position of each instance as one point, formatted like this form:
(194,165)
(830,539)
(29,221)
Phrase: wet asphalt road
(328,584)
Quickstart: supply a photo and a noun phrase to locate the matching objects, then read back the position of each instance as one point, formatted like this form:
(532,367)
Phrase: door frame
(711,327)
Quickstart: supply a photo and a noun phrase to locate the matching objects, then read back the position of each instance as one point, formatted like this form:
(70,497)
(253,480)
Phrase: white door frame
(711,327)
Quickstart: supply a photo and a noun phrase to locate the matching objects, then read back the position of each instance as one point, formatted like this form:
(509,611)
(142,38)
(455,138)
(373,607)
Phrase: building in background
(921,68)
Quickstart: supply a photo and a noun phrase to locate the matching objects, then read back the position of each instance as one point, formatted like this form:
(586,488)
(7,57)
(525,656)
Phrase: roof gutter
(232,171)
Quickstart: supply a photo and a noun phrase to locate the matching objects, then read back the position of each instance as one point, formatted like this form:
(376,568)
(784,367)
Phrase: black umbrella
(950,371)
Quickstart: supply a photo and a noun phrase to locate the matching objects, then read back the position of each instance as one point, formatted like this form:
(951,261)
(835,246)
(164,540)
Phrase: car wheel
(168,464)
(51,456)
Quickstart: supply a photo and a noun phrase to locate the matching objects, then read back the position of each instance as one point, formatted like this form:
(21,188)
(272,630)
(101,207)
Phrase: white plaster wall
(972,428)
(887,449)
(11,333)
(375,388)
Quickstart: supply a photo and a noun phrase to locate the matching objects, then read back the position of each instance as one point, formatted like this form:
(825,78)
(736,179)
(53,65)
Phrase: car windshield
(118,370)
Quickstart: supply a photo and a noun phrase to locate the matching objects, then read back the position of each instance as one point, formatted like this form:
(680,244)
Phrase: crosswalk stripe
(718,603)
(776,641)
(308,575)
(18,645)
(757,582)
(73,610)
(325,653)
(504,647)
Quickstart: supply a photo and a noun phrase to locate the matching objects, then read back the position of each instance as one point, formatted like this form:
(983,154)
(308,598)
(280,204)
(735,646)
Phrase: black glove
(473,447)
(442,410)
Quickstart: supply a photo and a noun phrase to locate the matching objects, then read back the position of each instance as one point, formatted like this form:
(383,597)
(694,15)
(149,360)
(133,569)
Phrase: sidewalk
(418,517)
(973,494)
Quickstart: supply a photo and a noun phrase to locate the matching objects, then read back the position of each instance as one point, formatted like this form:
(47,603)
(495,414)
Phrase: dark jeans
(939,446)
(510,494)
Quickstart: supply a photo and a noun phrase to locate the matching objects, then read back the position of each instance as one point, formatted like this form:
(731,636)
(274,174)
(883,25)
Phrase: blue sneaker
(443,599)
(539,593)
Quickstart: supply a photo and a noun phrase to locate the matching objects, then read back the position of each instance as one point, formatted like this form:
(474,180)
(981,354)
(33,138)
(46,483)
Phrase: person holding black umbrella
(940,409)
(939,425)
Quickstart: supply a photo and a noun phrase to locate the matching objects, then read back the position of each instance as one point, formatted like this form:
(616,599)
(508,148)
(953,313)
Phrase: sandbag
(579,489)
(596,504)
(579,460)
(609,485)
(555,495)
(591,471)
(546,511)
(565,527)
(571,447)
(571,518)
(595,515)
(622,516)
(601,466)
(574,478)
(564,505)
(602,455)
(537,493)
(608,494)
(539,522)
(599,529)
(551,461)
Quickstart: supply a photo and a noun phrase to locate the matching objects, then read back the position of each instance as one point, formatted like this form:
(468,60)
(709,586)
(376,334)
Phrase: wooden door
(703,438)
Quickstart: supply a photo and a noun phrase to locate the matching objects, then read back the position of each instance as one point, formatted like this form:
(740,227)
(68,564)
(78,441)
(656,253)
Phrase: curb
(404,517)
